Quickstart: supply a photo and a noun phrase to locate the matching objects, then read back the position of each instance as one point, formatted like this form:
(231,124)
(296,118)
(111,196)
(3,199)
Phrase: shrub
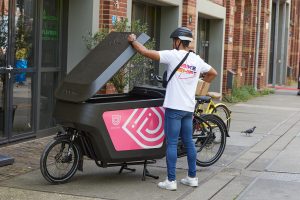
(245,93)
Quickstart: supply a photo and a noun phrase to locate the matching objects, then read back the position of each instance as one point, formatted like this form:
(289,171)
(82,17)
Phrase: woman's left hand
(131,38)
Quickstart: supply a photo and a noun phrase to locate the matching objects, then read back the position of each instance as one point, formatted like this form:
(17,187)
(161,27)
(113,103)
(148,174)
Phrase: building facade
(249,42)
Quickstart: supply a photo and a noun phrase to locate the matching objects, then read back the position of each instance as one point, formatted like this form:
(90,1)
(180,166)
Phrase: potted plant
(129,75)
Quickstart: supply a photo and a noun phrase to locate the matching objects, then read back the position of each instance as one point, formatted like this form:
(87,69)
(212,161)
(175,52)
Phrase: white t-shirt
(180,92)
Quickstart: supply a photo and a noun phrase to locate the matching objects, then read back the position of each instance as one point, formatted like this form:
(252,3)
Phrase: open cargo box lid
(98,67)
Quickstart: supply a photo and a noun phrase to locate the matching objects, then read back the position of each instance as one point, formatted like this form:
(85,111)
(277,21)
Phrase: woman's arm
(152,54)
(210,75)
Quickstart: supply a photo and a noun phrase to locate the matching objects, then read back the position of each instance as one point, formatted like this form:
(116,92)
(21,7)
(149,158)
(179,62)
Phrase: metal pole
(6,159)
(269,43)
(257,43)
(275,43)
(282,44)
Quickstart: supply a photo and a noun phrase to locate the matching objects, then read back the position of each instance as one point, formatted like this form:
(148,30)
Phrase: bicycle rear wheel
(224,113)
(210,139)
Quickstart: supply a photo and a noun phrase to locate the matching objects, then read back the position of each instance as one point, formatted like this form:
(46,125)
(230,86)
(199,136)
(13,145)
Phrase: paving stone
(27,157)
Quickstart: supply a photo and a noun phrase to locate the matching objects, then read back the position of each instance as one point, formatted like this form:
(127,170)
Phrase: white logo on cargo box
(141,128)
(116,119)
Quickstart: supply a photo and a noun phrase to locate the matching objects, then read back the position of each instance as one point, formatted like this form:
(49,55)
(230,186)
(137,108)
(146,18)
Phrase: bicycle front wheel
(59,161)
(210,139)
(224,113)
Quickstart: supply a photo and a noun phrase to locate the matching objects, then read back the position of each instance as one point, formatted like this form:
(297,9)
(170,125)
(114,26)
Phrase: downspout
(257,44)
(282,44)
(275,44)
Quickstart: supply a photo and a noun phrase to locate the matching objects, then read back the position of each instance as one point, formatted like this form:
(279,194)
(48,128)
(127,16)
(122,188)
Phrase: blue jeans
(179,123)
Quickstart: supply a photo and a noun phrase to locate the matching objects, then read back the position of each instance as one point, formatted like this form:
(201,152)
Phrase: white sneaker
(193,182)
(168,185)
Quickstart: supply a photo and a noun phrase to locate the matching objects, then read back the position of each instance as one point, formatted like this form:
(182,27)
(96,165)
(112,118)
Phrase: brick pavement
(27,157)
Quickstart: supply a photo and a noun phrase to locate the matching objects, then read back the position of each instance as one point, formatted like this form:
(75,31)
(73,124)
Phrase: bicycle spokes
(210,139)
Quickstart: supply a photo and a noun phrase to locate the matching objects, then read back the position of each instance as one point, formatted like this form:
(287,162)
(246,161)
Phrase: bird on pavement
(249,131)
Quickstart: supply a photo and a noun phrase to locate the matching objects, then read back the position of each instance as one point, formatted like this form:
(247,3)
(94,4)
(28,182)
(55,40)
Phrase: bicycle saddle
(204,99)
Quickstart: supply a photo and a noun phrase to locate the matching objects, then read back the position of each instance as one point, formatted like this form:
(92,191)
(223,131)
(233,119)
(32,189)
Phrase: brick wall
(240,42)
(189,16)
(249,42)
(3,6)
(264,44)
(110,8)
(240,35)
(294,39)
(228,46)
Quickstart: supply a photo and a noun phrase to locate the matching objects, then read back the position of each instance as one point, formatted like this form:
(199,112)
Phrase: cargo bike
(116,129)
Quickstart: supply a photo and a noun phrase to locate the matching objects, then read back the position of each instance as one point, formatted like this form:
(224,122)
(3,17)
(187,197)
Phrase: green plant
(136,70)
(244,93)
(22,34)
(267,91)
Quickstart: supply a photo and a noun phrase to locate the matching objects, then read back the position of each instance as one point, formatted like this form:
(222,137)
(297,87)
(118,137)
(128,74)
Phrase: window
(147,14)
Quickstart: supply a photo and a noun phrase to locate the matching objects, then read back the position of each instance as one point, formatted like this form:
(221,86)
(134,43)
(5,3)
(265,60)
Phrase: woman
(179,100)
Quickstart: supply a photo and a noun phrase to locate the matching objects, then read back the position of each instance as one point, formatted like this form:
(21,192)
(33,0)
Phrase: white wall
(169,22)
(171,17)
(81,22)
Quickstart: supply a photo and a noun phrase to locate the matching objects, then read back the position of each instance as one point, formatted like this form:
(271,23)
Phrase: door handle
(9,68)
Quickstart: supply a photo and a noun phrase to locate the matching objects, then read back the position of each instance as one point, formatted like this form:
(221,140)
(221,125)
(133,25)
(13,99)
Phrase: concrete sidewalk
(265,165)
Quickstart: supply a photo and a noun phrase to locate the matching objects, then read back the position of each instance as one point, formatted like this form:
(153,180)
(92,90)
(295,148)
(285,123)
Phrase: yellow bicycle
(206,105)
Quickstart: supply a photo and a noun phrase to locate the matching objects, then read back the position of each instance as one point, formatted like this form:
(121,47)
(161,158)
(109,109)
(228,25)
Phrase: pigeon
(249,131)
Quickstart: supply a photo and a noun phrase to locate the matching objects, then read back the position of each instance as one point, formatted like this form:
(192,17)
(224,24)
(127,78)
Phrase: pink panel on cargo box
(133,129)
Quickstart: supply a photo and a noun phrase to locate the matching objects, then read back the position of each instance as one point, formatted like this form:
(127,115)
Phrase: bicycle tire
(205,129)
(59,159)
(224,113)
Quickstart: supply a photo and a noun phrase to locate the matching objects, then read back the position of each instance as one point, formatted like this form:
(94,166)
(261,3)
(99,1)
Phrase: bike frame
(210,107)
(208,110)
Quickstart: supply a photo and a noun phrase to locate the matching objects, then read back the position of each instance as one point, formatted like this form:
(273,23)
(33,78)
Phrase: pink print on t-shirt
(186,71)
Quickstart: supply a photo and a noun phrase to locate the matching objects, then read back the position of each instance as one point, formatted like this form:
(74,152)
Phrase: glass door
(2,104)
(53,57)
(203,38)
(17,68)
(3,48)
